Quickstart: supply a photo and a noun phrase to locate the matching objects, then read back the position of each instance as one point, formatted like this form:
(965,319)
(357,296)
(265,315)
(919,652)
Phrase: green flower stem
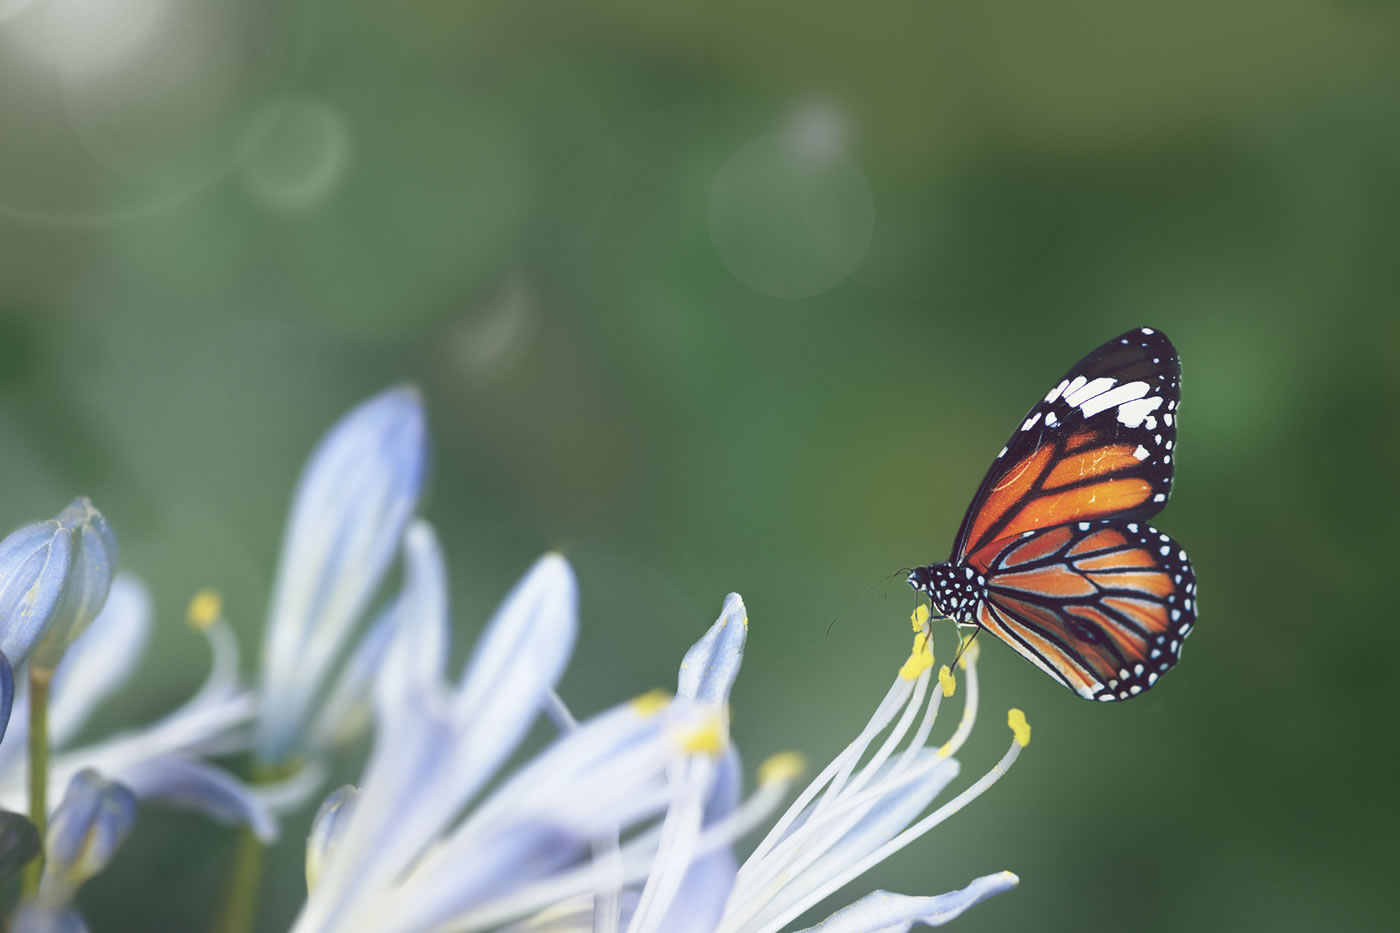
(240,901)
(39,680)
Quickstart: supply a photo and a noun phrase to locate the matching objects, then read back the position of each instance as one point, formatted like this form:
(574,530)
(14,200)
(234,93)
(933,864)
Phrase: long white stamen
(893,700)
(894,845)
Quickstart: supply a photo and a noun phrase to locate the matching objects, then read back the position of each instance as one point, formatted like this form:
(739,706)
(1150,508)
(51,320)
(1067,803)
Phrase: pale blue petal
(34,564)
(416,655)
(711,665)
(94,562)
(352,504)
(101,659)
(434,750)
(85,831)
(327,829)
(33,917)
(347,709)
(699,902)
(883,912)
(189,783)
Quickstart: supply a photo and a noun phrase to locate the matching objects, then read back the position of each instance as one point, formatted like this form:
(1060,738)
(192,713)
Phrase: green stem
(240,901)
(39,680)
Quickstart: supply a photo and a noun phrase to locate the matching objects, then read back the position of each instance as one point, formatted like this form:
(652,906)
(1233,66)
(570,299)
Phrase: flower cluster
(628,820)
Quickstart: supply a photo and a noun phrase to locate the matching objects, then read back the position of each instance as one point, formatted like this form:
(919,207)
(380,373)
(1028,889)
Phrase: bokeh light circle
(791,214)
(297,152)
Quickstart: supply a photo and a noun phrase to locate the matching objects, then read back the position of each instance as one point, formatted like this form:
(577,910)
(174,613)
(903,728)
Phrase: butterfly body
(1054,555)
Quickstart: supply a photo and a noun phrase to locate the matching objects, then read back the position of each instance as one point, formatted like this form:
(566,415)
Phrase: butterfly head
(953,589)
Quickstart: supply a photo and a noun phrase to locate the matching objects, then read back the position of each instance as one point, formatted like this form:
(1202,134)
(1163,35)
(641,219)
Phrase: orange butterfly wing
(1103,606)
(1099,445)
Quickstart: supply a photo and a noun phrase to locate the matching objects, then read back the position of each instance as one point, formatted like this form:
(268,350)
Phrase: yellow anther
(781,768)
(708,739)
(205,609)
(947,681)
(651,702)
(920,659)
(968,651)
(1019,727)
(919,618)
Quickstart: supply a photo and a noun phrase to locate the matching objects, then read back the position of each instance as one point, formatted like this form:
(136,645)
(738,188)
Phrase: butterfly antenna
(883,581)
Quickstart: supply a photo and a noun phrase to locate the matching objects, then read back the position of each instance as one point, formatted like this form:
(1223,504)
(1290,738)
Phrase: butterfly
(1055,556)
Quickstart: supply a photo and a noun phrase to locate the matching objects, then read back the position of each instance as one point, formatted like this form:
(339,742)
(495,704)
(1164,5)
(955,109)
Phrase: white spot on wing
(1030,422)
(1089,390)
(1140,453)
(1055,392)
(1127,392)
(1050,419)
(1131,414)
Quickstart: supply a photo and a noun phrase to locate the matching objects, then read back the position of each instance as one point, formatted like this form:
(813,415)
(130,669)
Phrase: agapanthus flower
(162,761)
(393,856)
(356,495)
(627,821)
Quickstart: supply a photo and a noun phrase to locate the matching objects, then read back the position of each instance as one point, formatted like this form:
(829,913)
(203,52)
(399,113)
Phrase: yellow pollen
(1019,727)
(969,650)
(651,702)
(205,609)
(920,659)
(781,768)
(947,681)
(708,739)
(919,618)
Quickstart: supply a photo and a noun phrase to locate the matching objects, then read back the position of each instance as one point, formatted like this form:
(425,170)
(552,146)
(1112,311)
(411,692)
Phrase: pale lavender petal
(101,659)
(711,665)
(353,502)
(416,653)
(884,912)
(699,903)
(34,564)
(348,707)
(192,784)
(94,562)
(327,829)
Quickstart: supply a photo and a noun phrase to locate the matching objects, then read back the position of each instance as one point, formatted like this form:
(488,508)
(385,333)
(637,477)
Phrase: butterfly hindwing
(1099,445)
(1102,606)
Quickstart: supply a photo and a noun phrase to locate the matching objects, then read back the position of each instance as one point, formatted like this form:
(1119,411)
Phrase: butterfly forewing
(1102,606)
(1100,444)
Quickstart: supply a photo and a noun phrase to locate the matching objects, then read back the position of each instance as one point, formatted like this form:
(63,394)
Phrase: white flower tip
(552,579)
(711,665)
(734,608)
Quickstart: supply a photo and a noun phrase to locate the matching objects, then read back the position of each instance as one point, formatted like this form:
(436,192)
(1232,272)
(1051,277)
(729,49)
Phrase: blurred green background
(744,296)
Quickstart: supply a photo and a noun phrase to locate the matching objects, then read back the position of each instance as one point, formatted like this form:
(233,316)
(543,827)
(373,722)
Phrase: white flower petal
(883,912)
(354,499)
(188,783)
(711,665)
(347,709)
(101,659)
(416,652)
